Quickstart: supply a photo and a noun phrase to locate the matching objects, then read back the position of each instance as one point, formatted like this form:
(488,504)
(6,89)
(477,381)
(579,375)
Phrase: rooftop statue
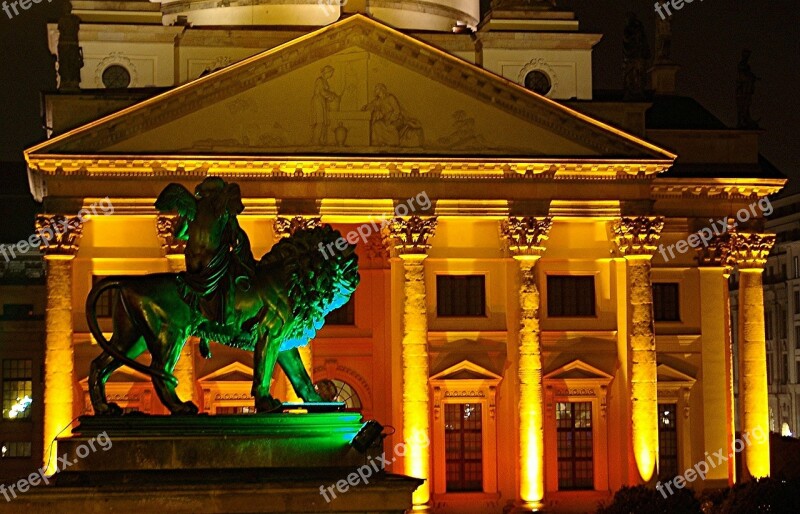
(270,306)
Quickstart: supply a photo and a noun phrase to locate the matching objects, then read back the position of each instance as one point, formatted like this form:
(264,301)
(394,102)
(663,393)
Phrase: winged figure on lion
(269,306)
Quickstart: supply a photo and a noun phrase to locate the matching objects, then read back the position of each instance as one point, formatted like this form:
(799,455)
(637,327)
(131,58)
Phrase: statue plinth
(218,464)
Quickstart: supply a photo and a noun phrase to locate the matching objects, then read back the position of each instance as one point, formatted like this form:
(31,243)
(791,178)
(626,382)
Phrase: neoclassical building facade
(517,324)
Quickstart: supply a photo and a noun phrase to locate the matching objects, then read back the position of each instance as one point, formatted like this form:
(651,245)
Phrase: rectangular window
(17,311)
(461,295)
(463,439)
(17,389)
(15,450)
(797,372)
(781,322)
(770,360)
(667,440)
(797,302)
(575,451)
(796,261)
(768,325)
(797,337)
(666,302)
(344,315)
(569,296)
(104,304)
(785,363)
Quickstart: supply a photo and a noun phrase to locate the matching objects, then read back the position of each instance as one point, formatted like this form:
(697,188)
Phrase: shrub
(643,500)
(767,495)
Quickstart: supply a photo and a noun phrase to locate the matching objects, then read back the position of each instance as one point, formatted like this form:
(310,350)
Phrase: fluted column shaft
(750,251)
(753,372)
(59,361)
(636,239)
(416,396)
(644,390)
(525,237)
(531,400)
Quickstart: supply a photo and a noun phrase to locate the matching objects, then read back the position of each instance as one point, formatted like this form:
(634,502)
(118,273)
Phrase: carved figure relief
(321,99)
(389,124)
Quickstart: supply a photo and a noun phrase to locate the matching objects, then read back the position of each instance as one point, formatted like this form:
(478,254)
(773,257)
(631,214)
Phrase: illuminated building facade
(518,322)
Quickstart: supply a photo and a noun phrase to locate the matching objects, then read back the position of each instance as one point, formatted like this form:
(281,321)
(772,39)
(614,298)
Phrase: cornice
(299,167)
(728,188)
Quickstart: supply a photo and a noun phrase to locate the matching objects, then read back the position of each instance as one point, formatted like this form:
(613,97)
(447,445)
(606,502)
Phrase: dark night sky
(708,37)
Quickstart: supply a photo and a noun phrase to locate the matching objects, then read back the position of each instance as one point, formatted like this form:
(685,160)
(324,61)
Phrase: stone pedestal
(287,463)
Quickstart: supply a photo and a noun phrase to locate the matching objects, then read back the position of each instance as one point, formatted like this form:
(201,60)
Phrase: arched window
(334,390)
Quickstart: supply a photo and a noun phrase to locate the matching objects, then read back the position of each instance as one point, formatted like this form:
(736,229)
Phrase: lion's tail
(94,327)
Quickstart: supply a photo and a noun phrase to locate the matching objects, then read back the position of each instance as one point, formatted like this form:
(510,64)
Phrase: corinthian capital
(285,227)
(750,250)
(717,254)
(638,236)
(411,234)
(165,227)
(526,236)
(59,234)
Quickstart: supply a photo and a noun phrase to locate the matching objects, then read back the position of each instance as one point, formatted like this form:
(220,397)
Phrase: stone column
(173,249)
(59,353)
(717,359)
(411,235)
(750,251)
(285,227)
(636,240)
(525,237)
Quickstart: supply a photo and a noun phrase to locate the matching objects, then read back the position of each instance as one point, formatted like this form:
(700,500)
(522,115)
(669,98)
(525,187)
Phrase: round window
(538,82)
(116,77)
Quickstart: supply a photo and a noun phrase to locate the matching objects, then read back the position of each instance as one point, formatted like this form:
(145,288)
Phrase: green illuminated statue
(269,307)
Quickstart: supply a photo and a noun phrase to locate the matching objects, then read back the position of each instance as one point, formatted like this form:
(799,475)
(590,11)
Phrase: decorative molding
(750,250)
(375,252)
(285,227)
(411,234)
(637,236)
(717,254)
(119,59)
(525,236)
(165,227)
(66,234)
(274,168)
(539,64)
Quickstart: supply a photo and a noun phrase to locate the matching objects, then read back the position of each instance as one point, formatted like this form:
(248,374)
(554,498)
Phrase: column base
(528,507)
(420,509)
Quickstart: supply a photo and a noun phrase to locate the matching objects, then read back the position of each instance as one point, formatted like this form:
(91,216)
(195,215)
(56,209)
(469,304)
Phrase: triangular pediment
(466,370)
(577,369)
(356,87)
(123,374)
(668,374)
(234,372)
